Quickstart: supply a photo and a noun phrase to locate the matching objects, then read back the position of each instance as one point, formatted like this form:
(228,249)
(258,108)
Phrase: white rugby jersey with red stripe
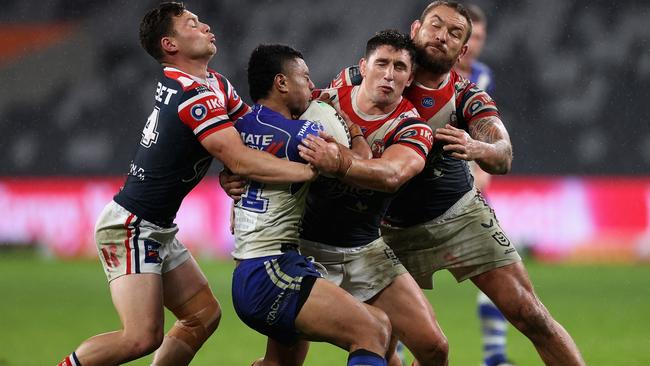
(340,215)
(444,180)
(456,101)
(170,160)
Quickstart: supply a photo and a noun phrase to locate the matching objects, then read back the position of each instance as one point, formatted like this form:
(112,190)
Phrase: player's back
(170,160)
(268,215)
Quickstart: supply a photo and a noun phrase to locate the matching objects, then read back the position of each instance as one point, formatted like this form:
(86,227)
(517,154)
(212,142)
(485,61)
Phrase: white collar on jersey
(442,84)
(197,79)
(209,81)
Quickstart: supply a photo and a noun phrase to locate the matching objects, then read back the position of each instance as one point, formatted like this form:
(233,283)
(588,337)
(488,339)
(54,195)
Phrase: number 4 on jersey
(149,134)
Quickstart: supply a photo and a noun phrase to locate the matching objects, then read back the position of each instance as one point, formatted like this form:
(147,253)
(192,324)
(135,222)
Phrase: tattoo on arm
(487,129)
(491,130)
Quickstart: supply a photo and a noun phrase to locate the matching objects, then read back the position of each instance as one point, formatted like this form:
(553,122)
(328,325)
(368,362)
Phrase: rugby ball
(331,122)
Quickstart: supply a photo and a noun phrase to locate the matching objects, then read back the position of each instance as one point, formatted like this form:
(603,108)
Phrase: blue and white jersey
(268,215)
(481,75)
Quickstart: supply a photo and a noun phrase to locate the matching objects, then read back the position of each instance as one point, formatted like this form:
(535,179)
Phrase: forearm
(495,154)
(266,168)
(495,158)
(375,174)
(227,146)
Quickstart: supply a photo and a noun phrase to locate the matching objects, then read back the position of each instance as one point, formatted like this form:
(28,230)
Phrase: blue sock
(366,358)
(493,328)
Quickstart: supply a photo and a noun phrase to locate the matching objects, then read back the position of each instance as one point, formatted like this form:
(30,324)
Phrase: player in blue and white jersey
(146,266)
(276,290)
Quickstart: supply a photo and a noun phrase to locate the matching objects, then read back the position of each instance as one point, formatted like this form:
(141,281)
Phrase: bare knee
(532,318)
(374,331)
(198,318)
(383,327)
(430,350)
(142,343)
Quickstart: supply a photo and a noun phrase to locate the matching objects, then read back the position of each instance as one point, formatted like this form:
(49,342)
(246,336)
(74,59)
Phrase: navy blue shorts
(268,293)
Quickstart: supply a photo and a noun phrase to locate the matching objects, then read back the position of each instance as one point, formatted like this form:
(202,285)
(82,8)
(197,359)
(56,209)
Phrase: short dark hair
(266,61)
(460,8)
(390,37)
(156,24)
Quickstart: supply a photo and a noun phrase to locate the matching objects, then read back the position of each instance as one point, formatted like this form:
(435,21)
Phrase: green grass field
(47,307)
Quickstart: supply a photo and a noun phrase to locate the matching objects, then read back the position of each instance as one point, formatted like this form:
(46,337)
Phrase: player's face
(474,44)
(385,74)
(440,39)
(299,86)
(192,38)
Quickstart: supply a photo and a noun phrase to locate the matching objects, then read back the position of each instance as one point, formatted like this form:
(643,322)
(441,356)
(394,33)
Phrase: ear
(415,27)
(363,65)
(462,52)
(411,77)
(280,83)
(168,45)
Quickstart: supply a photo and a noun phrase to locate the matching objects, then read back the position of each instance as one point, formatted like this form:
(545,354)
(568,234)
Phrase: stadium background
(572,82)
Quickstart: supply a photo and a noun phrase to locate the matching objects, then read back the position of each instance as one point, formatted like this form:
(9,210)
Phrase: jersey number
(253,200)
(150,134)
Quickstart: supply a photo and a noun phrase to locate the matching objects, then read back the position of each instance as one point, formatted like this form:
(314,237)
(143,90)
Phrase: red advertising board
(557,218)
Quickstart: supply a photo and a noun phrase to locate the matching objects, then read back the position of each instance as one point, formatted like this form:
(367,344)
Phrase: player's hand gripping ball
(330,121)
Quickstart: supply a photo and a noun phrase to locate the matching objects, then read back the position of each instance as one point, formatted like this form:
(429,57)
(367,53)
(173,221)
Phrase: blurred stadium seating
(571,76)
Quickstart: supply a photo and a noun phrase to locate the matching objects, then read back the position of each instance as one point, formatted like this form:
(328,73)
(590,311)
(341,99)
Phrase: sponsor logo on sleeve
(198,112)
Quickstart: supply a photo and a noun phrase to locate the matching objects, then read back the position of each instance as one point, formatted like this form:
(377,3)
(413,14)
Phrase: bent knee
(212,315)
(142,344)
(430,349)
(533,318)
(372,331)
(198,318)
(383,327)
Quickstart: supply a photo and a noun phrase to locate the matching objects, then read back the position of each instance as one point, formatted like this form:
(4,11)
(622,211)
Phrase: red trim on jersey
(421,142)
(483,114)
(245,108)
(274,147)
(215,129)
(421,96)
(175,75)
(220,82)
(126,243)
(208,101)
(413,147)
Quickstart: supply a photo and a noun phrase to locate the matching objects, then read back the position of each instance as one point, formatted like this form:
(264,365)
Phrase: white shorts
(466,240)
(362,271)
(127,244)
